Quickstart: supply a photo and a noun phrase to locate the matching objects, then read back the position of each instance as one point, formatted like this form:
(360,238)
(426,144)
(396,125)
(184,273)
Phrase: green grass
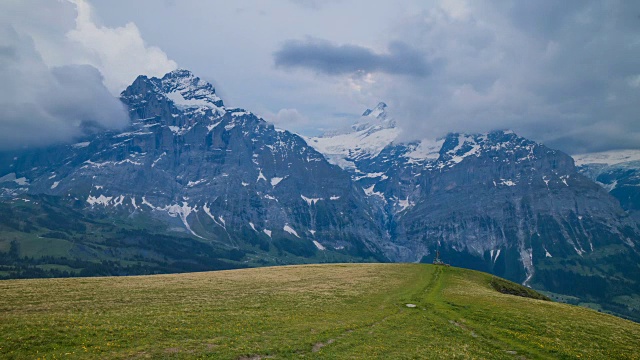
(38,247)
(511,288)
(57,267)
(34,246)
(355,311)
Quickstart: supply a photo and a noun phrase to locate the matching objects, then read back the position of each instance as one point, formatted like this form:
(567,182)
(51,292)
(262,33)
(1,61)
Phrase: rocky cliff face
(510,204)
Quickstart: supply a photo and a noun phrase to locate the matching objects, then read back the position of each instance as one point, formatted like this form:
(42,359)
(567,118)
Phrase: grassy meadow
(339,311)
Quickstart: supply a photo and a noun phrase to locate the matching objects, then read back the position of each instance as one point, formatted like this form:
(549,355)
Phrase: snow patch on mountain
(133,133)
(158,159)
(118,201)
(340,149)
(183,211)
(21,181)
(110,163)
(261,176)
(11,177)
(497,253)
(207,211)
(186,90)
(276,180)
(310,201)
(507,182)
(404,204)
(81,145)
(101,200)
(425,149)
(371,192)
(291,231)
(466,146)
(380,175)
(180,101)
(195,183)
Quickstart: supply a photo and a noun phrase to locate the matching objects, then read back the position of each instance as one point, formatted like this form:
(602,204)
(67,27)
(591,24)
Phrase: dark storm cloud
(544,17)
(41,105)
(324,57)
(563,73)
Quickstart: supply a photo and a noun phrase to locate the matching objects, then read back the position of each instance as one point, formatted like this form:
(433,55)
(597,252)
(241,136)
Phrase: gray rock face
(221,174)
(514,197)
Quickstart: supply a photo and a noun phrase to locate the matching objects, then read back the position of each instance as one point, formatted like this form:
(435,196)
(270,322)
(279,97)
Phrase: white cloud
(42,105)
(59,71)
(634,81)
(288,118)
(457,9)
(119,53)
(66,32)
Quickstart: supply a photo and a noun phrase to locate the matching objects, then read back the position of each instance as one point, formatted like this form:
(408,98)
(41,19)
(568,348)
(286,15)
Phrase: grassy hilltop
(313,311)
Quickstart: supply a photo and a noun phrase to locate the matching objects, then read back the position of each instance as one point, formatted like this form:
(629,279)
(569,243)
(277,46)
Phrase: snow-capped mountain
(496,202)
(362,140)
(363,149)
(220,174)
(618,171)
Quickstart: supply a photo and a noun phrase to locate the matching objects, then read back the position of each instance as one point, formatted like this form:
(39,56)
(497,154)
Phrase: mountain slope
(329,311)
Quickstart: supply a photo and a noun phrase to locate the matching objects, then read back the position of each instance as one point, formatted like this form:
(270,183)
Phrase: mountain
(499,203)
(212,173)
(195,185)
(618,171)
(362,140)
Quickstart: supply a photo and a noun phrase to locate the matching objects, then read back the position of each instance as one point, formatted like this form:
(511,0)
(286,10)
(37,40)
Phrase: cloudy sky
(566,73)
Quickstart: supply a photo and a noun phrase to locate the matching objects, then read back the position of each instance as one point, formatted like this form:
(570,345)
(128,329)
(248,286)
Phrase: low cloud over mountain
(61,73)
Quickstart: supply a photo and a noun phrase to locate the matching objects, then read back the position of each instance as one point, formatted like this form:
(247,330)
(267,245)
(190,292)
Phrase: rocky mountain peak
(187,90)
(180,87)
(375,119)
(377,111)
(374,131)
